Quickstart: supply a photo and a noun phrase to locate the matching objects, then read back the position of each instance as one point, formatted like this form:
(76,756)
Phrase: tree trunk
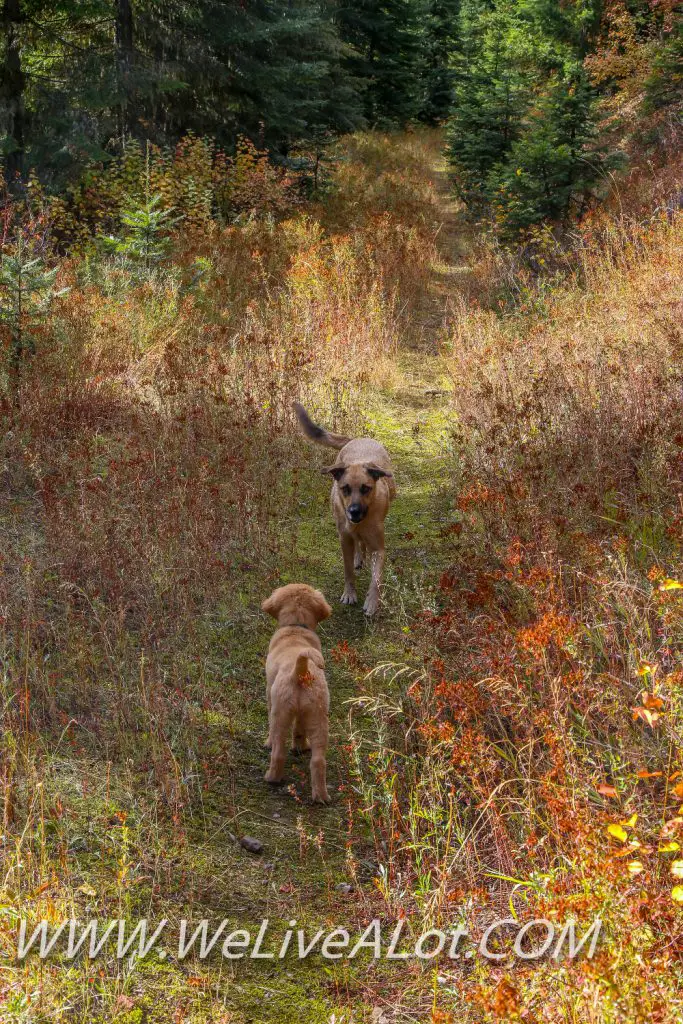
(124,61)
(12,85)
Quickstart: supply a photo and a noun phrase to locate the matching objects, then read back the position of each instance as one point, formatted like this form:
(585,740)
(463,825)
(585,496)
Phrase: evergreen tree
(664,86)
(80,78)
(493,88)
(522,135)
(440,48)
(12,89)
(553,165)
(27,288)
(388,40)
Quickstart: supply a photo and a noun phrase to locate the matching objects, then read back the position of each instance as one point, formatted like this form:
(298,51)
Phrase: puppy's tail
(302,672)
(318,434)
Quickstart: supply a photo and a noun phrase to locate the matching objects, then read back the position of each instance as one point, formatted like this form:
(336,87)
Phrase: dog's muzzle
(355,513)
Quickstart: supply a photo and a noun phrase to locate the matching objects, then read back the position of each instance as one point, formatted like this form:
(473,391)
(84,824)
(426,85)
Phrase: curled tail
(318,434)
(301,670)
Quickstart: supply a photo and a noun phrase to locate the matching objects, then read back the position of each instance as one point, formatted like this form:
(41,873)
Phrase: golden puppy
(296,688)
(362,491)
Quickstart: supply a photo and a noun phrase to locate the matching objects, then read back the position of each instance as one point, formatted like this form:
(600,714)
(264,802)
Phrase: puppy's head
(297,604)
(356,485)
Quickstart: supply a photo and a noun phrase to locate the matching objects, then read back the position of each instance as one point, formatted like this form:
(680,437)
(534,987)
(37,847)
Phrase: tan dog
(296,688)
(362,491)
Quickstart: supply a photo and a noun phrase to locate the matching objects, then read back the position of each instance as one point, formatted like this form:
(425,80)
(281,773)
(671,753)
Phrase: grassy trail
(411,419)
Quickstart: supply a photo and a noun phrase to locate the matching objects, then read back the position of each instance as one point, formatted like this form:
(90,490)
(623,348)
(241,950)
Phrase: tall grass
(549,703)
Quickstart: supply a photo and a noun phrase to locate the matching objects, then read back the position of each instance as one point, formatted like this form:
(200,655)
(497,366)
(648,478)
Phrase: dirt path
(412,420)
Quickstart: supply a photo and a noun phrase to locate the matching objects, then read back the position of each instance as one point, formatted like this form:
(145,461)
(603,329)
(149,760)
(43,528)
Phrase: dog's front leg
(348,547)
(372,600)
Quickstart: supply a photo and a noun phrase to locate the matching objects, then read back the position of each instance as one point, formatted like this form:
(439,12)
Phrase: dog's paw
(272,778)
(322,797)
(349,596)
(371,604)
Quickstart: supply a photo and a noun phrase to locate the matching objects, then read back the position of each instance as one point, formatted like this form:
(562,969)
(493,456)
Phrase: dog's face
(356,485)
(297,603)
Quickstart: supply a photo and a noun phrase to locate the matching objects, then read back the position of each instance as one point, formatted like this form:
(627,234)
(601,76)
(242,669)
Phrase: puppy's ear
(271,605)
(322,608)
(336,471)
(375,472)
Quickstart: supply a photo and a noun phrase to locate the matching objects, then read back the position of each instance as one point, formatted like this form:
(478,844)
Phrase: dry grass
(150,493)
(529,729)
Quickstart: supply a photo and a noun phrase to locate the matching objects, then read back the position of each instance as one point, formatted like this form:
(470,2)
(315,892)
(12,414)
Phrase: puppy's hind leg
(280,725)
(318,737)
(268,743)
(299,741)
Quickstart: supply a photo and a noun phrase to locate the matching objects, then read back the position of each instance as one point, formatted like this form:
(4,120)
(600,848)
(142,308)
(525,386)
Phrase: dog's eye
(365,489)
(346,490)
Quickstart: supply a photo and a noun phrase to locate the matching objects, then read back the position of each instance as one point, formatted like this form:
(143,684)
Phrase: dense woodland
(524,85)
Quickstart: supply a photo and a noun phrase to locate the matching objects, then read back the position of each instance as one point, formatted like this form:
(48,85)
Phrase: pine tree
(12,90)
(664,87)
(388,40)
(27,289)
(522,135)
(492,90)
(553,165)
(144,242)
(442,37)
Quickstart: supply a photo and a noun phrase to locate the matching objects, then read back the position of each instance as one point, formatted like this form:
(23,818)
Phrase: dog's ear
(322,608)
(271,605)
(336,471)
(375,472)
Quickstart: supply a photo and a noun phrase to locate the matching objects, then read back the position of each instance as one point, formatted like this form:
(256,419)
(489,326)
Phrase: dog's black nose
(355,513)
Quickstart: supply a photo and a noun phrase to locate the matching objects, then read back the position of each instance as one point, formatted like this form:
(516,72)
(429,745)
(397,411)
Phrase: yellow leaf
(647,668)
(646,715)
(670,847)
(618,832)
(668,584)
(635,867)
(677,868)
(631,821)
(677,894)
(678,790)
(87,890)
